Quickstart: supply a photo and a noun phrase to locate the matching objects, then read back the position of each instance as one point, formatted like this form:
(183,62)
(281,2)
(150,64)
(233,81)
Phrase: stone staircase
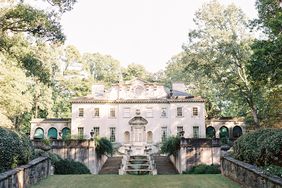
(164,165)
(111,166)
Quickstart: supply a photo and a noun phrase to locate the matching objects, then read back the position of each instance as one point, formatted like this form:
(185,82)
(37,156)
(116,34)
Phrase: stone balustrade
(248,175)
(26,175)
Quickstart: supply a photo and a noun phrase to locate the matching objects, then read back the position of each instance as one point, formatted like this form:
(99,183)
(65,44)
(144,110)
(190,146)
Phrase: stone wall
(26,175)
(247,175)
(196,151)
(78,150)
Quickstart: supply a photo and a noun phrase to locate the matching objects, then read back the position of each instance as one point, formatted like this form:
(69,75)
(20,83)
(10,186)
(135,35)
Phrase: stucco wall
(82,151)
(248,175)
(26,175)
(196,151)
(155,123)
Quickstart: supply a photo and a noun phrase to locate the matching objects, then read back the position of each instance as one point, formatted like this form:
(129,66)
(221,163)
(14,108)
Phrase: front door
(138,135)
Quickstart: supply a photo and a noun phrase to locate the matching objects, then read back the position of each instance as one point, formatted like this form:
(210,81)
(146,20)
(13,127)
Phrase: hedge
(204,169)
(15,149)
(41,153)
(262,147)
(67,166)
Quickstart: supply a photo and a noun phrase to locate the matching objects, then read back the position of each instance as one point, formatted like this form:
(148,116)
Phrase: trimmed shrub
(15,149)
(204,169)
(53,157)
(103,147)
(171,145)
(67,166)
(261,147)
(273,170)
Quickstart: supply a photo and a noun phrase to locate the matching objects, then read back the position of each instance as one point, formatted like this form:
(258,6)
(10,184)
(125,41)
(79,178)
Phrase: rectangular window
(80,131)
(112,134)
(164,133)
(179,112)
(149,112)
(126,112)
(96,131)
(195,111)
(96,112)
(180,131)
(80,112)
(196,132)
(112,112)
(164,112)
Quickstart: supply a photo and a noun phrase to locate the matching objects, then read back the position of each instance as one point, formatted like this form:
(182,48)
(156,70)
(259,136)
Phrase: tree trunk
(36,109)
(255,116)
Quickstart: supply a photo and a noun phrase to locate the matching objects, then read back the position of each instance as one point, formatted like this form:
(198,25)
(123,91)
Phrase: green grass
(115,181)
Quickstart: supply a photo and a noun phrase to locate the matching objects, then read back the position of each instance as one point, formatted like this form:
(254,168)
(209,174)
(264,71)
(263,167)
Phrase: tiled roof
(173,100)
(51,120)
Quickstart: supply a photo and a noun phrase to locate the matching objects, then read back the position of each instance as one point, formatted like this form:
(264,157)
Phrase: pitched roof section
(88,99)
(50,120)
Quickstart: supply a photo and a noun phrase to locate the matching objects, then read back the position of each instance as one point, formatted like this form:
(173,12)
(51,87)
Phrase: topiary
(15,149)
(103,146)
(67,166)
(171,145)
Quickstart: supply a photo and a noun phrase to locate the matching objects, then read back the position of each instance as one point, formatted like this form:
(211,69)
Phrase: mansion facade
(135,113)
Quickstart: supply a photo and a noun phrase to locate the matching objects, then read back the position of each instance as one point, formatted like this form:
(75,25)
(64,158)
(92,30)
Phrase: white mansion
(136,112)
(133,112)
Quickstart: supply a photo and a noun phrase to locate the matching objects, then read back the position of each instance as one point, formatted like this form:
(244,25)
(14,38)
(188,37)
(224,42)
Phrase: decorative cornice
(126,101)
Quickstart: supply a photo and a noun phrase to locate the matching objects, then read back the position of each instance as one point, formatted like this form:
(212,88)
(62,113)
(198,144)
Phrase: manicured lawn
(115,181)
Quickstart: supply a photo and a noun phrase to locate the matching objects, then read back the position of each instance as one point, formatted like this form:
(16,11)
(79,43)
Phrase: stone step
(111,166)
(164,165)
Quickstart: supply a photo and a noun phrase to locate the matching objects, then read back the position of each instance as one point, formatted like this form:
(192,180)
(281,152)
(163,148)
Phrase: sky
(147,32)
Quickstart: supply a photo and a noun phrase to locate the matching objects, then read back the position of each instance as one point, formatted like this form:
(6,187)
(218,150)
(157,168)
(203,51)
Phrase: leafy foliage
(261,147)
(265,67)
(53,157)
(273,170)
(171,145)
(67,166)
(15,149)
(204,169)
(103,147)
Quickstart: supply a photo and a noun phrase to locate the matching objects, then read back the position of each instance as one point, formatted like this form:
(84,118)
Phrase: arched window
(66,133)
(237,132)
(223,132)
(39,133)
(210,132)
(149,137)
(126,137)
(52,133)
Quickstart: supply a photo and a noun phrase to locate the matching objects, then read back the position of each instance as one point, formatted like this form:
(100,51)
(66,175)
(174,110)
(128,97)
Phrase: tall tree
(103,68)
(134,71)
(222,42)
(266,65)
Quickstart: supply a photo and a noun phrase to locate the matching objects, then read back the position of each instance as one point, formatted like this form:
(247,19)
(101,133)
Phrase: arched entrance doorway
(52,133)
(210,132)
(138,129)
(39,133)
(237,132)
(126,137)
(223,132)
(149,137)
(66,133)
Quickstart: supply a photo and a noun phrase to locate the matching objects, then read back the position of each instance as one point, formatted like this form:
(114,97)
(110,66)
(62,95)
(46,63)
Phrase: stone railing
(26,175)
(247,175)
